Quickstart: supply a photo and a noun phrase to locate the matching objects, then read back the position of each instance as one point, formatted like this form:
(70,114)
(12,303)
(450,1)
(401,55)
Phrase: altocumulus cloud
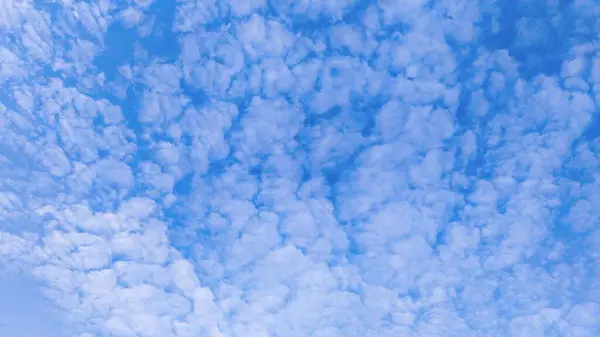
(300,168)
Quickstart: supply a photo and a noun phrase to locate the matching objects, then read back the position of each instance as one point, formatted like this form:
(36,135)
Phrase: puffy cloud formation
(301,168)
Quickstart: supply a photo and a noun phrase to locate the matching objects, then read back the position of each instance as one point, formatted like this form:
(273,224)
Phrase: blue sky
(310,168)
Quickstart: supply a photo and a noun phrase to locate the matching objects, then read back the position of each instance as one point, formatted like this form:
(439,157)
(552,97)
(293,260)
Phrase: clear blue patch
(532,33)
(184,185)
(119,43)
(163,42)
(592,131)
(197,96)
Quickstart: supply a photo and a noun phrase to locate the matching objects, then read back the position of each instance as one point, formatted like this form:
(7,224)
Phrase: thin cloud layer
(309,168)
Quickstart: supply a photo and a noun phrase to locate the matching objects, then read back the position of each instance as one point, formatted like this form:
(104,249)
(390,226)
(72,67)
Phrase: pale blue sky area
(25,311)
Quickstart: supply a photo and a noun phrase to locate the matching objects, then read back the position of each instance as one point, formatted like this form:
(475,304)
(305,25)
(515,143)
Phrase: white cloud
(262,37)
(241,8)
(584,315)
(82,251)
(115,172)
(131,16)
(191,15)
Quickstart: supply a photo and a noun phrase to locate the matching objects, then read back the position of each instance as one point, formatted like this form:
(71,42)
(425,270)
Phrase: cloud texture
(302,168)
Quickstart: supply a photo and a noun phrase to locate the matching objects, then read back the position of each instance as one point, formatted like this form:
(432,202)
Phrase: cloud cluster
(309,168)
